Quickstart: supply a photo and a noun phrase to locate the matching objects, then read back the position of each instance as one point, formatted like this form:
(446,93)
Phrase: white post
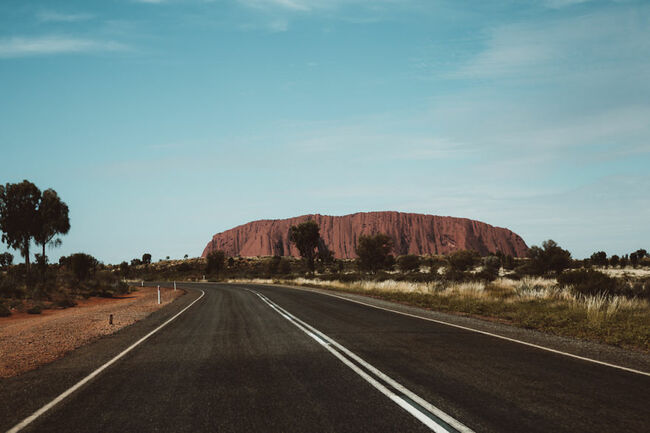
(159,294)
(141,283)
(174,286)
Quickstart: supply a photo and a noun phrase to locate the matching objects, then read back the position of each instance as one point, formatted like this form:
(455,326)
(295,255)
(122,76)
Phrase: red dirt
(30,340)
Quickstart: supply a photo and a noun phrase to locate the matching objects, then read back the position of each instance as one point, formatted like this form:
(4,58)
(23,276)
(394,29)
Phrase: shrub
(589,282)
(463,260)
(65,303)
(36,309)
(4,311)
(408,263)
(374,252)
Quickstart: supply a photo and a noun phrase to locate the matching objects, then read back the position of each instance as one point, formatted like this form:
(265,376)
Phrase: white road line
(537,346)
(24,423)
(329,344)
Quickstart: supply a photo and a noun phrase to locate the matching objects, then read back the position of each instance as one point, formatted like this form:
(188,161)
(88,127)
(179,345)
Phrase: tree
(146,258)
(374,252)
(80,264)
(124,269)
(408,263)
(634,259)
(549,258)
(215,262)
(599,258)
(52,220)
(306,237)
(462,260)
(19,215)
(6,259)
(614,260)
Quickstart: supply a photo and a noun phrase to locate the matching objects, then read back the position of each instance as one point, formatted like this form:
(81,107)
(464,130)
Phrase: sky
(163,122)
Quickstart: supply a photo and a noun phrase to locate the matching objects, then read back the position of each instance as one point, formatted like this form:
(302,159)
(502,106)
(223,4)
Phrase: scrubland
(531,302)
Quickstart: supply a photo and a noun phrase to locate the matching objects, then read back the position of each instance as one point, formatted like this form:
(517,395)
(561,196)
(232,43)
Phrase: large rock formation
(411,233)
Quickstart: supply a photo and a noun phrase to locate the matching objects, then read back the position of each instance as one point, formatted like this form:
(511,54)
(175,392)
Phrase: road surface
(254,358)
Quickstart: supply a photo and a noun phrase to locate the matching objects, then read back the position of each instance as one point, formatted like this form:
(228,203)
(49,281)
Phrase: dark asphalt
(232,364)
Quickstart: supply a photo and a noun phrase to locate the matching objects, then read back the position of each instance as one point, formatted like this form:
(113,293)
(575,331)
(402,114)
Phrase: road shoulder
(21,395)
(599,352)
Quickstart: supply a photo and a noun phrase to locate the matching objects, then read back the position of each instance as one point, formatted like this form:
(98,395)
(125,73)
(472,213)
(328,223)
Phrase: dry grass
(536,303)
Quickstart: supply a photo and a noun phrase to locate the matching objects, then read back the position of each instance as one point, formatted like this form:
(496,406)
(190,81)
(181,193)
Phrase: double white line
(425,412)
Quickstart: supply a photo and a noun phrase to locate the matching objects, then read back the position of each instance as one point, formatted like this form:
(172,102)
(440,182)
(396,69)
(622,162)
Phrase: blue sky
(163,122)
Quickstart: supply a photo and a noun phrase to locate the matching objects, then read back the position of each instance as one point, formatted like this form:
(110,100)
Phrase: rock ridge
(412,233)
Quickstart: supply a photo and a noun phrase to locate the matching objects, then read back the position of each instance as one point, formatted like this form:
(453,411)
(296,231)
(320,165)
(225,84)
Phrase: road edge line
(513,340)
(25,422)
(327,342)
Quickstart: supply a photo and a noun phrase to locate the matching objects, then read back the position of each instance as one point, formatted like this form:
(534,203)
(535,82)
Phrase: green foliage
(19,215)
(614,260)
(52,220)
(146,258)
(599,258)
(124,269)
(374,252)
(306,237)
(81,265)
(36,309)
(589,282)
(274,264)
(491,267)
(4,310)
(6,259)
(215,262)
(548,259)
(408,263)
(463,260)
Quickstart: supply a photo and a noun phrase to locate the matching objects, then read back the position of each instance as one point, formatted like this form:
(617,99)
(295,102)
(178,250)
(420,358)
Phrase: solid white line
(24,423)
(548,349)
(328,342)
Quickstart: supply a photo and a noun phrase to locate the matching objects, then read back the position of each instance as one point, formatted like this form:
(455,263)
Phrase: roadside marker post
(174,286)
(141,283)
(159,294)
(110,319)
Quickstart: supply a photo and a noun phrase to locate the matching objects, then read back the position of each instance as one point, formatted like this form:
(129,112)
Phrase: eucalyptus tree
(19,219)
(53,220)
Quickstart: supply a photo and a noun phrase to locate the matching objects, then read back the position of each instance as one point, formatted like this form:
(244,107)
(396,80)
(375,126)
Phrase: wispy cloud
(295,5)
(609,40)
(51,16)
(558,4)
(49,45)
(150,1)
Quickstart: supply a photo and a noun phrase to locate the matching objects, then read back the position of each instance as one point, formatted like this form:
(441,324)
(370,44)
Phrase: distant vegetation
(603,297)
(29,216)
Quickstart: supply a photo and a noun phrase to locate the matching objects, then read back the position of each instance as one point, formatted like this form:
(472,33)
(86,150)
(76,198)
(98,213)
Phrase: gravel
(29,341)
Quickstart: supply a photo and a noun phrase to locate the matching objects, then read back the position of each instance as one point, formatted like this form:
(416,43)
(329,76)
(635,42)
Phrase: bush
(4,311)
(463,260)
(589,282)
(408,263)
(65,303)
(36,309)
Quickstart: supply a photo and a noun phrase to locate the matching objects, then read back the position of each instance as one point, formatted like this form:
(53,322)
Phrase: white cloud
(47,45)
(50,16)
(609,40)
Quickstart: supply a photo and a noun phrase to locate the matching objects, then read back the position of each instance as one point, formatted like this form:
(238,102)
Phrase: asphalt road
(296,361)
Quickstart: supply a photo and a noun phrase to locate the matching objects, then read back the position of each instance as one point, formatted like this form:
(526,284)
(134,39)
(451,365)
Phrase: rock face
(411,233)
